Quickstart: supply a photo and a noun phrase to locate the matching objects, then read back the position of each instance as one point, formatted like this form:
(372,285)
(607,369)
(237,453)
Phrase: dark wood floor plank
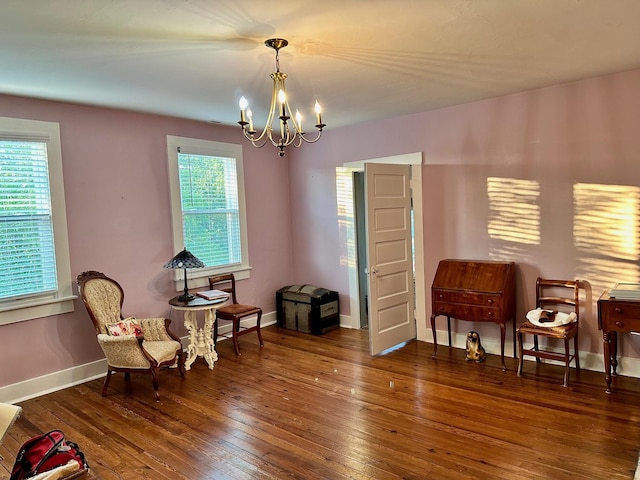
(319,407)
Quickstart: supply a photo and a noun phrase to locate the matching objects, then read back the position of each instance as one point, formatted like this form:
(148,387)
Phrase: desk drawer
(621,316)
(467,297)
(472,313)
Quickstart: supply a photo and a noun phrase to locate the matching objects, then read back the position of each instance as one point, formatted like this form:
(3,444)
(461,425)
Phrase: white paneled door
(389,256)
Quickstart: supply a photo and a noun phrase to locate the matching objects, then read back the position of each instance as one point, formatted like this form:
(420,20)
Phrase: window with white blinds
(210,212)
(207,190)
(35,273)
(28,261)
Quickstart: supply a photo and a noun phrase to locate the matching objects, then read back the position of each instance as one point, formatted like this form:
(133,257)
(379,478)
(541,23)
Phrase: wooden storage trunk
(307,309)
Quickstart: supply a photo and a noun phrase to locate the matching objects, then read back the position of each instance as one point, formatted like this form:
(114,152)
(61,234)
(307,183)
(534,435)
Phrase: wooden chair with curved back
(558,297)
(234,312)
(132,344)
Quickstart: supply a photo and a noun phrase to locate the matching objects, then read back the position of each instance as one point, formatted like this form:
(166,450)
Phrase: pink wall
(561,137)
(117,198)
(118,201)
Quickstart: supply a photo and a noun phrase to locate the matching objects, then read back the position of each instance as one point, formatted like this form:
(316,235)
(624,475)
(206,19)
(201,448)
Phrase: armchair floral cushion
(128,326)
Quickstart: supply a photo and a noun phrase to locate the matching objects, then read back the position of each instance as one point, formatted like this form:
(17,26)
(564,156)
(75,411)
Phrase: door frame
(414,159)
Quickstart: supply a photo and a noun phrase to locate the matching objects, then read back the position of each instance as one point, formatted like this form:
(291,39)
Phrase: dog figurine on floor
(475,351)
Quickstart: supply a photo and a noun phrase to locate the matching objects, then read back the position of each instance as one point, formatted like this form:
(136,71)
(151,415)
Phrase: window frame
(198,277)
(61,301)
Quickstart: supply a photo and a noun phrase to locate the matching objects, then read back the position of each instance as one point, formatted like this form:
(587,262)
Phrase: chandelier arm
(309,140)
(255,141)
(266,132)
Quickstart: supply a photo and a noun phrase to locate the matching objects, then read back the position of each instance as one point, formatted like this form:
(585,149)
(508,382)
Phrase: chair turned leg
(234,335)
(519,354)
(181,360)
(258,328)
(154,379)
(536,347)
(105,385)
(575,352)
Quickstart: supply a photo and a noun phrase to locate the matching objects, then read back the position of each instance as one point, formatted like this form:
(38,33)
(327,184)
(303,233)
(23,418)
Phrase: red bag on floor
(46,452)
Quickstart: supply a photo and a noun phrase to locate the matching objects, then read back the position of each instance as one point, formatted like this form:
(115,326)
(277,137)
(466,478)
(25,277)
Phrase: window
(35,276)
(207,206)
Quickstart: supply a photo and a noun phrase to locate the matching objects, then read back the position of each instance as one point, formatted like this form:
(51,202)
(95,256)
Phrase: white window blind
(210,209)
(28,261)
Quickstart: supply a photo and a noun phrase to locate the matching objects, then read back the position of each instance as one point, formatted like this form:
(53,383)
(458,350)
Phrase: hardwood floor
(307,407)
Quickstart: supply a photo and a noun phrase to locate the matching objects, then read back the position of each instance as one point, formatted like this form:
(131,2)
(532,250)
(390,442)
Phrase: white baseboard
(52,382)
(629,367)
(35,387)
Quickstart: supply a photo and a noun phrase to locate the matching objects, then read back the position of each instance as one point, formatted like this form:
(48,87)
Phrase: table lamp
(185,259)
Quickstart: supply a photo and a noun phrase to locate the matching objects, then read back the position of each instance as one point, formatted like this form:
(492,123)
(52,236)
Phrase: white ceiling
(362,59)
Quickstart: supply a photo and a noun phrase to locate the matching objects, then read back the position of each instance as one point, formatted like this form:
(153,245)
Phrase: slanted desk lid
(474,275)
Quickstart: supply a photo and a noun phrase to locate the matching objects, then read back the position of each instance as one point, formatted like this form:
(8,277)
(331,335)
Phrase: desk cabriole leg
(435,341)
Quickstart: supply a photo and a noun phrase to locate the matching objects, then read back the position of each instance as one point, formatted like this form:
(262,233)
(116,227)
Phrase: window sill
(22,311)
(197,278)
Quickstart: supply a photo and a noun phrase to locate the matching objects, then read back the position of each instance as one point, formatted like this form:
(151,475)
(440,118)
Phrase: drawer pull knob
(619,324)
(490,314)
(490,301)
(617,310)
(441,296)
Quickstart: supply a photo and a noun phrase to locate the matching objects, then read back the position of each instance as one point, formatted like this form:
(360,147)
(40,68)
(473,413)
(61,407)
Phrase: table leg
(607,359)
(613,343)
(208,347)
(191,324)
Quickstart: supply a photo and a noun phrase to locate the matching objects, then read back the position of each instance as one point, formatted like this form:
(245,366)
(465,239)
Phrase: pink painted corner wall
(571,144)
(118,215)
(581,133)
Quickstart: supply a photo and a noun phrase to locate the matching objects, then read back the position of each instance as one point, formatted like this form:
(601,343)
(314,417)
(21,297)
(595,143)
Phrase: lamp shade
(184,259)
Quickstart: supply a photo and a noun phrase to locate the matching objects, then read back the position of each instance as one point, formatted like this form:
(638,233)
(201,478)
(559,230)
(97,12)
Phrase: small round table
(200,339)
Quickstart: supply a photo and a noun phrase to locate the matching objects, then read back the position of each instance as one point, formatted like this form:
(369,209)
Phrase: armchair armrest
(124,351)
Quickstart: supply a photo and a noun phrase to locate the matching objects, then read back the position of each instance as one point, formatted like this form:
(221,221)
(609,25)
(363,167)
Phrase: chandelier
(290,129)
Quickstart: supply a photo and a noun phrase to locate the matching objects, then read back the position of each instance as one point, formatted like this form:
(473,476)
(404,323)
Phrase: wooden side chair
(129,344)
(234,312)
(556,316)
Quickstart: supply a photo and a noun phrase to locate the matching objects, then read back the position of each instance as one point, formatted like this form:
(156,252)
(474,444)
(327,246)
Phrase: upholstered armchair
(129,344)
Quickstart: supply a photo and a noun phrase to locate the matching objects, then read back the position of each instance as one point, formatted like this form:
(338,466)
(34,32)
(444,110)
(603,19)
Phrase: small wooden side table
(200,339)
(615,315)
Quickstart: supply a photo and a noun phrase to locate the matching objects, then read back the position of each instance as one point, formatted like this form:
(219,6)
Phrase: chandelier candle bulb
(318,110)
(299,119)
(250,116)
(243,106)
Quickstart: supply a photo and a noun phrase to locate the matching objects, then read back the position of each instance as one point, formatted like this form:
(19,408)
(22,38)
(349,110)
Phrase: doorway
(347,204)
(361,246)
